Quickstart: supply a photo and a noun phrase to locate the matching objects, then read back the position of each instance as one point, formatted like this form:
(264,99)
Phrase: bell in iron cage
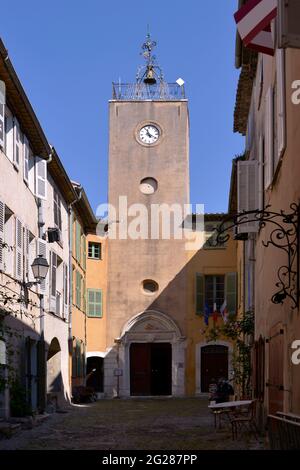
(150,78)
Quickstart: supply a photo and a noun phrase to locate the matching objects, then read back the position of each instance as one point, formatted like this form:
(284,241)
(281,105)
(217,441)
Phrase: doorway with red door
(150,369)
(214,365)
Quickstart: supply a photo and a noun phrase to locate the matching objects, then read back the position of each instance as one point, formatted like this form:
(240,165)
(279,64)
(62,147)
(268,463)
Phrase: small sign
(118,372)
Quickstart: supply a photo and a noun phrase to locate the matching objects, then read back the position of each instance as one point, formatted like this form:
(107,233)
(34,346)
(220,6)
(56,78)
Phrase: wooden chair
(219,414)
(244,420)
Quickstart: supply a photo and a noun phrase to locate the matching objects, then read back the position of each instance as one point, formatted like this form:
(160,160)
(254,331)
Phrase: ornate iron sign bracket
(284,236)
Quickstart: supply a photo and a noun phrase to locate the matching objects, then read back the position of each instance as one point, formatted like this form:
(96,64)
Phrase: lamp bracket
(284,237)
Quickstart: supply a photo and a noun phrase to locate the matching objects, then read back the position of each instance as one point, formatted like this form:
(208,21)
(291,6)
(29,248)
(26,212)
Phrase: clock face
(149,134)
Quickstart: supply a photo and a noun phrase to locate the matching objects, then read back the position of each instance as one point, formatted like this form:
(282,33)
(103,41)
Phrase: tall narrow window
(214,291)
(9,134)
(26,160)
(18,143)
(53,274)
(57,209)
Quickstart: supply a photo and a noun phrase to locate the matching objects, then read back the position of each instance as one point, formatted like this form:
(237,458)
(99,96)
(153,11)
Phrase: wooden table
(226,407)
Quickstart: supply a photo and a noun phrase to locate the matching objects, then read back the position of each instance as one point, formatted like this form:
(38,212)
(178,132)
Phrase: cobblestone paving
(158,424)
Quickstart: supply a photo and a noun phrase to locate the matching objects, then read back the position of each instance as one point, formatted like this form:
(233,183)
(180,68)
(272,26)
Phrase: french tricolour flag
(254,24)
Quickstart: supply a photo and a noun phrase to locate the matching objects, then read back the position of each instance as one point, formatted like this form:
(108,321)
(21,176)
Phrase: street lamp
(40,268)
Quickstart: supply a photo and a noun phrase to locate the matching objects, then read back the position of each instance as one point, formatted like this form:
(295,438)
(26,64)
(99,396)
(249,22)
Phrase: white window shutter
(261,188)
(2,113)
(65,290)
(247,180)
(2,221)
(31,171)
(9,131)
(19,250)
(269,137)
(26,159)
(18,144)
(26,254)
(288,23)
(40,178)
(52,284)
(41,249)
(281,110)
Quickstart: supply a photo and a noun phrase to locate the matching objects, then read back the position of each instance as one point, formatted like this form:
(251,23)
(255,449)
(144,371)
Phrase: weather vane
(150,72)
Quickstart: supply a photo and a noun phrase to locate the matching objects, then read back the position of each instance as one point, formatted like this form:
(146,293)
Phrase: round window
(150,286)
(148,185)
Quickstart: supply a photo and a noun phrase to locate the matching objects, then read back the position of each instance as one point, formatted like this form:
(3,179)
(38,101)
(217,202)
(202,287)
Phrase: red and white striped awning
(254,24)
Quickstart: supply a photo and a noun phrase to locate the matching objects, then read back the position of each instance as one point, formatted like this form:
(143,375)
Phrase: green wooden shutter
(98,303)
(78,289)
(78,241)
(84,251)
(199,294)
(91,309)
(95,303)
(231,283)
(83,295)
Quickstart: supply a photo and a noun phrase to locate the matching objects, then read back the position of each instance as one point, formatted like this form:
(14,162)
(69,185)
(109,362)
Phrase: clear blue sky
(67,53)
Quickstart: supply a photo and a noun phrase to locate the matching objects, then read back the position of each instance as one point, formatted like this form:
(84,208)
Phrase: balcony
(141,91)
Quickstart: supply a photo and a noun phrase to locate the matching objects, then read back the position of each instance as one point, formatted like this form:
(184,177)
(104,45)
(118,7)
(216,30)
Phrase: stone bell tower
(148,166)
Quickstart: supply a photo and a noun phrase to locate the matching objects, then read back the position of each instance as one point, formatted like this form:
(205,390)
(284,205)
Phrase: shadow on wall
(32,371)
(54,377)
(211,261)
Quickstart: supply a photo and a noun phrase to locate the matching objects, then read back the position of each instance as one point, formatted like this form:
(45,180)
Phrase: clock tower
(148,177)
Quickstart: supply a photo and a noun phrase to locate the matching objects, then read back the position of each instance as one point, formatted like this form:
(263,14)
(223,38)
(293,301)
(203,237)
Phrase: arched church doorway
(94,373)
(150,369)
(54,377)
(214,365)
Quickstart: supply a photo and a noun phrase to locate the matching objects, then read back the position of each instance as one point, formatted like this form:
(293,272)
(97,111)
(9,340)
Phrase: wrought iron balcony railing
(161,91)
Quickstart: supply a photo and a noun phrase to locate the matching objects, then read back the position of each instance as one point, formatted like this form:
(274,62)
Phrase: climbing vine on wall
(241,332)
